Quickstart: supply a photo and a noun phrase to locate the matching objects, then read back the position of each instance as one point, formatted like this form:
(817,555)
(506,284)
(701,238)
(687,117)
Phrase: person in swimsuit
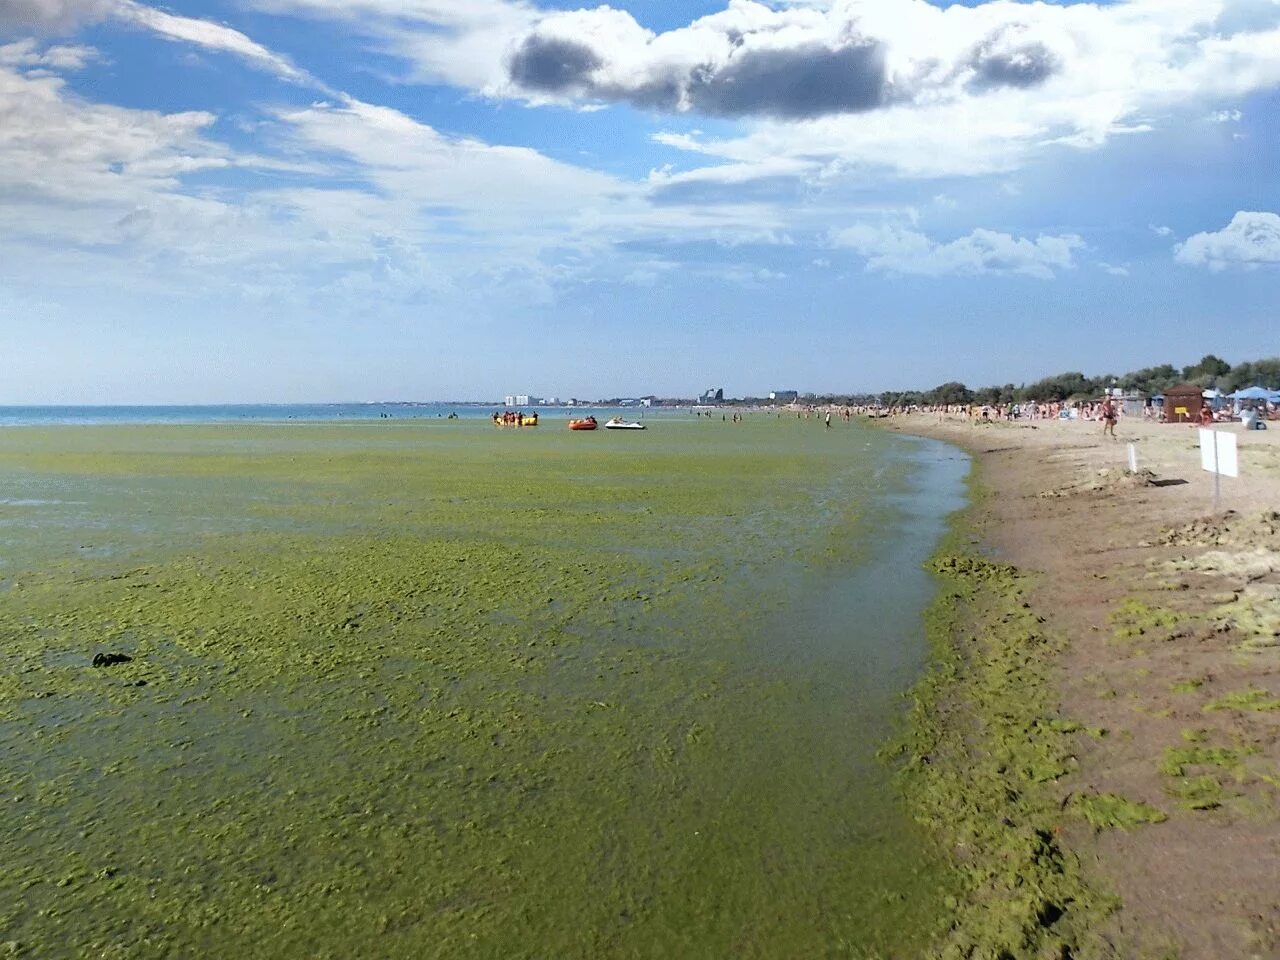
(1109,418)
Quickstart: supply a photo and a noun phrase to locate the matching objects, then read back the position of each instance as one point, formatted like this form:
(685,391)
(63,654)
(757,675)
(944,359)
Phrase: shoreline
(1106,652)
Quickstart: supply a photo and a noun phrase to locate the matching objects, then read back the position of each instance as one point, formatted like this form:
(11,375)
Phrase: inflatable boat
(586,423)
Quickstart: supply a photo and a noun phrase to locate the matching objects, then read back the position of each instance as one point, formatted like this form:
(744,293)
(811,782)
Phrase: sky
(320,200)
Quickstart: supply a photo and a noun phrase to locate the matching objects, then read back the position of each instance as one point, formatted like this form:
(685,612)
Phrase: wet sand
(1169,613)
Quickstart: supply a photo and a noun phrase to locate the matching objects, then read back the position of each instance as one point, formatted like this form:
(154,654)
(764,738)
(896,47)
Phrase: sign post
(1218,455)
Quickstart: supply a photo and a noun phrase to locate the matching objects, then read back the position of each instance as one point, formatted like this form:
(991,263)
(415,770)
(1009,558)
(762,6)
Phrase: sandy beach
(1169,616)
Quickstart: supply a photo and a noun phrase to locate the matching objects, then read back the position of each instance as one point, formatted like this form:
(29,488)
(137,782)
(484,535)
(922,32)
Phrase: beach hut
(1182,403)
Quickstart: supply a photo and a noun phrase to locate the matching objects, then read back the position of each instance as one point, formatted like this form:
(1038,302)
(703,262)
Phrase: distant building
(552,401)
(522,400)
(713,395)
(509,401)
(784,396)
(646,401)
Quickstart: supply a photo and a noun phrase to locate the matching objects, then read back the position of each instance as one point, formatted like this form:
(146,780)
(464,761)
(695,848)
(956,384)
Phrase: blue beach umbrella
(1252,393)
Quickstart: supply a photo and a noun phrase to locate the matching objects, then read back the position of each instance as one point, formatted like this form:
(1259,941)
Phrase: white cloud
(376,205)
(211,36)
(897,250)
(1161,231)
(60,149)
(1250,240)
(1226,116)
(54,16)
(29,53)
(455,40)
(488,189)
(1113,269)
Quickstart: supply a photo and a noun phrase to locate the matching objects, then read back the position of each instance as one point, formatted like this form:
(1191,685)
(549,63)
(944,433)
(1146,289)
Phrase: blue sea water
(275,413)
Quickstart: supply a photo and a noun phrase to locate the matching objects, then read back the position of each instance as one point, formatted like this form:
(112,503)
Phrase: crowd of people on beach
(1105,410)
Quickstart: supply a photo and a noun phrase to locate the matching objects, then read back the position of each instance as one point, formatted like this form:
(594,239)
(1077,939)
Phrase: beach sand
(1171,615)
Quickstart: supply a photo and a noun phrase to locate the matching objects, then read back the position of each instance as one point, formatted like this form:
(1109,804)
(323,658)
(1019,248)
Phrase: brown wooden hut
(1182,403)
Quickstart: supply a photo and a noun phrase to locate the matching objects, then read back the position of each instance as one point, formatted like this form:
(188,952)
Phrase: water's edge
(979,756)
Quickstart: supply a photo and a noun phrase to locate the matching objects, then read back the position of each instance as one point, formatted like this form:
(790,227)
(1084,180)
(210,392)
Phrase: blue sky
(291,200)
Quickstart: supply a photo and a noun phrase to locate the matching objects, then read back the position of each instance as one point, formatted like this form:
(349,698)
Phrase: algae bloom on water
(423,690)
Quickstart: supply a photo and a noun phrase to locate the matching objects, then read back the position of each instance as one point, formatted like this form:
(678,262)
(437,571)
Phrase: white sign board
(1218,453)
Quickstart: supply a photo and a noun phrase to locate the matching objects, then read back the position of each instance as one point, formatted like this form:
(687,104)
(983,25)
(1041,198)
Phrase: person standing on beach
(1108,413)
(828,419)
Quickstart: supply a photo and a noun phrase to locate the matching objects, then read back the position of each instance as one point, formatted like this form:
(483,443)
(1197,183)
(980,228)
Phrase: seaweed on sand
(981,751)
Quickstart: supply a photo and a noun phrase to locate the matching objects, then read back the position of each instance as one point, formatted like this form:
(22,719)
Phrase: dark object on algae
(110,659)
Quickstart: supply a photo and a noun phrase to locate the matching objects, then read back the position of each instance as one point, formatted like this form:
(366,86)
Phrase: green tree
(1209,368)
(1151,380)
(951,392)
(1259,373)
(1061,387)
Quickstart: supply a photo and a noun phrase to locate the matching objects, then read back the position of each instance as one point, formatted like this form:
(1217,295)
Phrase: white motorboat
(617,423)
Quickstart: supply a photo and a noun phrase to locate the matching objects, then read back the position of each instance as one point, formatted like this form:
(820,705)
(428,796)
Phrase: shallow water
(443,690)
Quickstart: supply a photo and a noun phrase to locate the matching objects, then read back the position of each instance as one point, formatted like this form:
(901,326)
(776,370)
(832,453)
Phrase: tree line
(1210,371)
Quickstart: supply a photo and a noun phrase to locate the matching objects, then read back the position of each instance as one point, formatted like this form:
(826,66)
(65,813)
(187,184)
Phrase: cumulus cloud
(1250,240)
(753,60)
(1006,58)
(787,82)
(905,85)
(898,250)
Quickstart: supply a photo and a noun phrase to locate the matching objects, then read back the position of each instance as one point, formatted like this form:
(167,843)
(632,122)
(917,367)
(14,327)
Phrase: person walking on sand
(828,420)
(1108,413)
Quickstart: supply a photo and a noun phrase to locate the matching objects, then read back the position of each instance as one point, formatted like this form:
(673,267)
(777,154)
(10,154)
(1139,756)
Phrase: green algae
(1107,811)
(1134,618)
(1176,759)
(1203,792)
(982,751)
(1253,701)
(1196,788)
(452,692)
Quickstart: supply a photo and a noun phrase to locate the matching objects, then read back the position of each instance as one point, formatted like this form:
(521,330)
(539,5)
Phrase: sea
(11,416)
(451,691)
